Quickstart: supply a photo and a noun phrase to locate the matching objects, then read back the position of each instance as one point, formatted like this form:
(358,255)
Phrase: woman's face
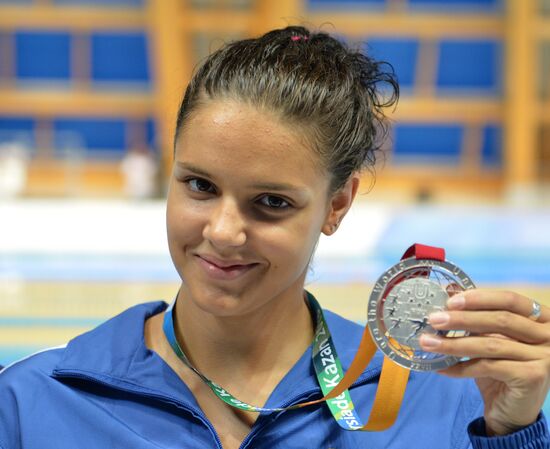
(248,199)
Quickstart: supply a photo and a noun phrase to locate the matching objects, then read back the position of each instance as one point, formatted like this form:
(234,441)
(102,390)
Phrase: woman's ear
(340,203)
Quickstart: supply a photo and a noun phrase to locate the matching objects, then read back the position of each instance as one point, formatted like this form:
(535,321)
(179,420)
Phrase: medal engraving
(407,307)
(399,306)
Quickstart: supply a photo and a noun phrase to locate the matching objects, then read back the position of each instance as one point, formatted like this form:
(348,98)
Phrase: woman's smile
(223,270)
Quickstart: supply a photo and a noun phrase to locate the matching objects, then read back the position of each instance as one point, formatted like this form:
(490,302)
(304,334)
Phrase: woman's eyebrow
(193,168)
(274,186)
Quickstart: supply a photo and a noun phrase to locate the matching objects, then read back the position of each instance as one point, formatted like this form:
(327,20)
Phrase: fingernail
(456,302)
(429,342)
(439,318)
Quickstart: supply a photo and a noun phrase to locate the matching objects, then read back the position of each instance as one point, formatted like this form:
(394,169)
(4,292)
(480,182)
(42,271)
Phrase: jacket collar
(114,354)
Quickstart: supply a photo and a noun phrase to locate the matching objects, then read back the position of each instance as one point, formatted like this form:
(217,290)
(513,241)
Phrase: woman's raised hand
(509,353)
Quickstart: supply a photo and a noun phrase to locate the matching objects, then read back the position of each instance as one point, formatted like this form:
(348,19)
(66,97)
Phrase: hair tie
(298,38)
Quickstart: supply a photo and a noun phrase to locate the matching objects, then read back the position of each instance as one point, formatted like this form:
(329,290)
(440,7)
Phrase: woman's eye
(274,202)
(200,185)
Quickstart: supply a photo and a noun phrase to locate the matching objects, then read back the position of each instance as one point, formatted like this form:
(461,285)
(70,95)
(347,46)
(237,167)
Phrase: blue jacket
(105,389)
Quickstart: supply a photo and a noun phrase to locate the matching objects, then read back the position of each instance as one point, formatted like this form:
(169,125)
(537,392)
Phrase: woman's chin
(217,303)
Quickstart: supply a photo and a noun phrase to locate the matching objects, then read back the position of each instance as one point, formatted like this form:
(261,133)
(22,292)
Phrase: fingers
(453,289)
(513,391)
(482,347)
(501,322)
(510,372)
(496,300)
(498,326)
(509,354)
(501,370)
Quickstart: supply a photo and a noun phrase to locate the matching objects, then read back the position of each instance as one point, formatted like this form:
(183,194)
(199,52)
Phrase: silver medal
(399,306)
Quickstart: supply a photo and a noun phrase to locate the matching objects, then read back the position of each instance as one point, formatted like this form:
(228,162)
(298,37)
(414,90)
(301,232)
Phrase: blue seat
(491,151)
(42,56)
(151,133)
(19,129)
(120,57)
(401,53)
(99,137)
(348,4)
(115,3)
(456,5)
(427,143)
(472,66)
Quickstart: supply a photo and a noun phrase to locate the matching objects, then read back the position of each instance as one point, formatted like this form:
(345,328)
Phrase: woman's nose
(226,226)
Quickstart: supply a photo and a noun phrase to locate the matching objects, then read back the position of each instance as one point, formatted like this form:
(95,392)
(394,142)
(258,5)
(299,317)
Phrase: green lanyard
(325,361)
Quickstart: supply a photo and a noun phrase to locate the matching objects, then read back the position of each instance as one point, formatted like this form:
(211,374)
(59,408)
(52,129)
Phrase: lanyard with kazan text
(334,384)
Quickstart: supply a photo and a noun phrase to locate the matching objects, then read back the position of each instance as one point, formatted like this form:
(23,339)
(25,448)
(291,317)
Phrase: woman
(271,137)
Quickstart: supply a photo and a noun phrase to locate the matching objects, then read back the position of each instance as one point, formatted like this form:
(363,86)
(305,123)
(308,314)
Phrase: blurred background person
(13,169)
(140,171)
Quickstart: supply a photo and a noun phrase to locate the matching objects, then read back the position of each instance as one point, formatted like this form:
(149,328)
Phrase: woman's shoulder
(346,335)
(344,331)
(343,327)
(33,366)
(34,370)
(23,382)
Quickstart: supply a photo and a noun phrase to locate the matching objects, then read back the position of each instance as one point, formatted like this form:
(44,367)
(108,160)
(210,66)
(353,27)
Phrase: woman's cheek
(183,215)
(286,246)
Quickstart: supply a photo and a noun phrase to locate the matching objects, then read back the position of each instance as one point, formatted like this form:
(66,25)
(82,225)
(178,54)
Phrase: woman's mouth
(220,269)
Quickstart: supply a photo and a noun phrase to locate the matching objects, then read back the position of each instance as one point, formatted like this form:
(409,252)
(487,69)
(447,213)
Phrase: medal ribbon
(328,369)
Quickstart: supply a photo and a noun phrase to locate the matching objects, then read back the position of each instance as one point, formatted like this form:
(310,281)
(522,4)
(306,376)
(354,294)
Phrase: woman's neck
(266,341)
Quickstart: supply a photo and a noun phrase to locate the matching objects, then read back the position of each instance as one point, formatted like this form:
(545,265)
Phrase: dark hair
(309,79)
